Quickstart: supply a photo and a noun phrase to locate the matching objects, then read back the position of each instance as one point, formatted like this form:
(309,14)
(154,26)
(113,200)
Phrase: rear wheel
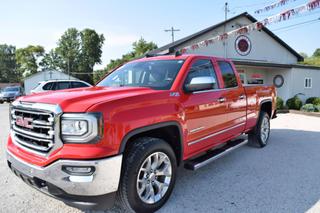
(148,175)
(260,134)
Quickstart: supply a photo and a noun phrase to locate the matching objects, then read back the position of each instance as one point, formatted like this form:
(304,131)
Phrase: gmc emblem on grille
(24,122)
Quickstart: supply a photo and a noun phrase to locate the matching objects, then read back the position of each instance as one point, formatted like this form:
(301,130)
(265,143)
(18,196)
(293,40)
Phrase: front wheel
(148,175)
(260,134)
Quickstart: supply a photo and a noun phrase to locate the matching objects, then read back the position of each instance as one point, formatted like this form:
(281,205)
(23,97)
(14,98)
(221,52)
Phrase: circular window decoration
(243,45)
(278,81)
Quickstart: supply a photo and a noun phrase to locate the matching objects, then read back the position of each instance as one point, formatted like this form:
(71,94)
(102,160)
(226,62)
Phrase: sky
(42,22)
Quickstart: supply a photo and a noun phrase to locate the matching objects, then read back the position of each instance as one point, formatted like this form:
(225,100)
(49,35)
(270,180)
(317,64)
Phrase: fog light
(79,170)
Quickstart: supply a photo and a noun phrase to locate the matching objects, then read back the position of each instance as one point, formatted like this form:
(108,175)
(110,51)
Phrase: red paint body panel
(126,109)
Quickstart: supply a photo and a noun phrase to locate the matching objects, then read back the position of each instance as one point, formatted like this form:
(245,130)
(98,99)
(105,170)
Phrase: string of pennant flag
(279,3)
(257,26)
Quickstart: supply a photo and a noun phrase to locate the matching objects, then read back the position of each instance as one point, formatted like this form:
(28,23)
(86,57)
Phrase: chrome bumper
(104,180)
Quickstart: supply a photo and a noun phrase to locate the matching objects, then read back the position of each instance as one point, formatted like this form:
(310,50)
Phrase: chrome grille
(32,129)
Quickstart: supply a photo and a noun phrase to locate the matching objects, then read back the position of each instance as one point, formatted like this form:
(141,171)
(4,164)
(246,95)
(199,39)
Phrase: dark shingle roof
(202,32)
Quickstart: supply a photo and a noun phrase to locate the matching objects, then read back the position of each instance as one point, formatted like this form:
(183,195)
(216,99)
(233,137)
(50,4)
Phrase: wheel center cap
(152,177)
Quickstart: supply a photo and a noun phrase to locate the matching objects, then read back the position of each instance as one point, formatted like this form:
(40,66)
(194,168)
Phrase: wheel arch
(266,106)
(170,131)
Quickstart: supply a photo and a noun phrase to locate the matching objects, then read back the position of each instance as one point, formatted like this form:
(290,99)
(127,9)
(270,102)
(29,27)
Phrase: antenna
(172,30)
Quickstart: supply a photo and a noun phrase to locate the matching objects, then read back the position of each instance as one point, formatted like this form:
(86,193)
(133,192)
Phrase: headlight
(81,127)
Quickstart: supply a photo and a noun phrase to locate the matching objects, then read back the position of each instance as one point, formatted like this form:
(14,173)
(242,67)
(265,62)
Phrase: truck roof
(173,57)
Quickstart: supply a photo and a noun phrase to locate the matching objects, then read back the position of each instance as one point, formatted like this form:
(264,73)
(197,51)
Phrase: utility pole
(172,30)
(225,42)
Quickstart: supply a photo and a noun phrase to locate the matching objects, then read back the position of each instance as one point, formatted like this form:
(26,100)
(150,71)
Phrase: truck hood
(79,100)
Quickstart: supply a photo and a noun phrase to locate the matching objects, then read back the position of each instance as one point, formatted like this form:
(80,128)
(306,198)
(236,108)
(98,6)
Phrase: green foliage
(316,53)
(79,52)
(304,55)
(313,100)
(314,60)
(51,61)
(308,108)
(294,103)
(28,59)
(280,103)
(140,48)
(8,71)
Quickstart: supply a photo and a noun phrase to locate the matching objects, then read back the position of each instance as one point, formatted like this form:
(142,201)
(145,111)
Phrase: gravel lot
(283,177)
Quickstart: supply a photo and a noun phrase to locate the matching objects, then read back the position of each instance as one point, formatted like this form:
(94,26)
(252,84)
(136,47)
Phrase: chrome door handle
(241,97)
(221,99)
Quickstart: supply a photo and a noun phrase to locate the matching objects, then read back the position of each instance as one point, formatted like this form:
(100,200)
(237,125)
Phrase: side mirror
(199,84)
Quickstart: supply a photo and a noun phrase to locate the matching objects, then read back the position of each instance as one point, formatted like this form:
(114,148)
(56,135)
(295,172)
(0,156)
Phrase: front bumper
(85,192)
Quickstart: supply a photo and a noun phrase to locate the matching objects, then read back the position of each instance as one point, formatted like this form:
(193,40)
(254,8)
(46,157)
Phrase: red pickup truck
(122,140)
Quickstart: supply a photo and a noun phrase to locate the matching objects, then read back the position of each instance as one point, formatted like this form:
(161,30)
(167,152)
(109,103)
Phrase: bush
(313,100)
(316,108)
(294,103)
(279,103)
(308,108)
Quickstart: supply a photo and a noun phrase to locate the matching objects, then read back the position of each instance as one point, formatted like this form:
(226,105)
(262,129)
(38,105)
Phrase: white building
(260,56)
(33,80)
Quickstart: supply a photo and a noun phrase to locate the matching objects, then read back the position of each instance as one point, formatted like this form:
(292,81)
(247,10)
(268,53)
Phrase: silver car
(9,94)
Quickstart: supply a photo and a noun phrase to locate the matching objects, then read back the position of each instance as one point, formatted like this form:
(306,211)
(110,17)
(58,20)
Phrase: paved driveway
(283,177)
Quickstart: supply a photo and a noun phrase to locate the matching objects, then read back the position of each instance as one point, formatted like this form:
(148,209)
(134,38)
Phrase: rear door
(235,99)
(204,112)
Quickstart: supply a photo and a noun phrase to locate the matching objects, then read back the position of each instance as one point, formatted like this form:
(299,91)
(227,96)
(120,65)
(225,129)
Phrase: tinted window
(48,86)
(78,85)
(63,85)
(228,75)
(157,74)
(202,68)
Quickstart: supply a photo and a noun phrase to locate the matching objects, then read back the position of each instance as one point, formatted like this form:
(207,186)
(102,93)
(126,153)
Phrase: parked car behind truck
(122,140)
(10,93)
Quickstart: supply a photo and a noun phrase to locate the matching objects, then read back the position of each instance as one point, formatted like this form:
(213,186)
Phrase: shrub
(279,103)
(308,108)
(313,100)
(294,103)
(316,108)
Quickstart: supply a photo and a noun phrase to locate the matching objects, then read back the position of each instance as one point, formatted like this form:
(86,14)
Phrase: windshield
(11,89)
(158,74)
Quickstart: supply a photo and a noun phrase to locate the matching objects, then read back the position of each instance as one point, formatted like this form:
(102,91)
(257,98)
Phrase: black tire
(257,135)
(127,197)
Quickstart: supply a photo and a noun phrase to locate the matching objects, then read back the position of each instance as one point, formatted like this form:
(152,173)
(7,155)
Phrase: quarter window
(228,75)
(308,83)
(202,68)
(48,86)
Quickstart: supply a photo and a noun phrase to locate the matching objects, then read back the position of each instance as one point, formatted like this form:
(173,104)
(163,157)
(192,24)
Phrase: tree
(8,71)
(69,50)
(91,52)
(28,59)
(316,53)
(51,61)
(141,47)
(304,55)
(78,52)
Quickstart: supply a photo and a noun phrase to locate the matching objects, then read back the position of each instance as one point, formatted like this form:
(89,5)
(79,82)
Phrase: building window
(308,83)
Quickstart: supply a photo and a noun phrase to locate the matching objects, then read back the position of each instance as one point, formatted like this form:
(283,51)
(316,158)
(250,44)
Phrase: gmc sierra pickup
(122,140)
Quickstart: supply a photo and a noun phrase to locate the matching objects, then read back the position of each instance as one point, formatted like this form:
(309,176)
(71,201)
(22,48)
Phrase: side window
(202,68)
(76,84)
(63,85)
(48,86)
(228,75)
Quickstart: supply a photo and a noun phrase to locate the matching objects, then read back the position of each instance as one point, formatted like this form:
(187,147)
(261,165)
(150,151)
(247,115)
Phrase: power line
(294,26)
